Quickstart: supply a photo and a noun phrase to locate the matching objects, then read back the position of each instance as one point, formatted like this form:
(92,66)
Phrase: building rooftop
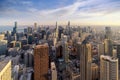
(41,46)
(109,58)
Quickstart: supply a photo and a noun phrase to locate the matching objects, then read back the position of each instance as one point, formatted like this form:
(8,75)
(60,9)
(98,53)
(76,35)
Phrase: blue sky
(80,12)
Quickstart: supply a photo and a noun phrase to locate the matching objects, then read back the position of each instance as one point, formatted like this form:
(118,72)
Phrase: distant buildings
(3,46)
(41,62)
(35,27)
(14,29)
(108,68)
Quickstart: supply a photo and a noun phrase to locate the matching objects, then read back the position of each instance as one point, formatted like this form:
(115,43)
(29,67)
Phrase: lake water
(10,28)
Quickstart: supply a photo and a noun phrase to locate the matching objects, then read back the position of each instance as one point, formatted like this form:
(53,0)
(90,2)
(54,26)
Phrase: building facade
(108,68)
(5,70)
(85,62)
(41,62)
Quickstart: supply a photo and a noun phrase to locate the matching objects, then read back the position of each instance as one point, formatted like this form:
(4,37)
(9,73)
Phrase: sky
(45,12)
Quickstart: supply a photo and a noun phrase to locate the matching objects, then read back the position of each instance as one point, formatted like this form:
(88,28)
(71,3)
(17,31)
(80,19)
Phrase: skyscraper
(56,35)
(41,62)
(56,32)
(15,29)
(118,53)
(108,47)
(69,29)
(95,71)
(108,33)
(85,62)
(108,68)
(65,51)
(35,27)
(5,69)
(101,48)
(53,71)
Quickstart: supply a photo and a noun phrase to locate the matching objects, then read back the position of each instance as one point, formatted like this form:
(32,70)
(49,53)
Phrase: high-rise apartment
(41,62)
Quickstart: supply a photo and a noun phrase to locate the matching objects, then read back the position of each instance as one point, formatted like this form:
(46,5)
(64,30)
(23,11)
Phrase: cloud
(79,9)
(84,7)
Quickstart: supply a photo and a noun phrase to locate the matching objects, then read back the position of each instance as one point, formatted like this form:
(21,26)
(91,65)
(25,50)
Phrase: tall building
(108,33)
(65,51)
(108,68)
(35,27)
(108,47)
(101,49)
(15,28)
(41,62)
(56,33)
(69,29)
(114,53)
(5,69)
(85,62)
(80,31)
(78,49)
(53,71)
(30,39)
(3,46)
(29,30)
(118,54)
(95,69)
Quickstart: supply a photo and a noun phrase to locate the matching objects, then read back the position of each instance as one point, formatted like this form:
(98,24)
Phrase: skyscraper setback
(108,68)
(41,62)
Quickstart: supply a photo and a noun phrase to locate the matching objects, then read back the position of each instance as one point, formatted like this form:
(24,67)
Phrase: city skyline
(80,12)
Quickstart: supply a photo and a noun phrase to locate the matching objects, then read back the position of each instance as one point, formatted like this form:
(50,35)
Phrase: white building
(53,71)
(108,68)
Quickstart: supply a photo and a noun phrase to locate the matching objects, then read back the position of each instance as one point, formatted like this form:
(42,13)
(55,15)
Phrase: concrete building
(5,69)
(78,50)
(3,46)
(108,47)
(101,50)
(95,69)
(2,36)
(65,51)
(28,58)
(114,53)
(41,62)
(15,73)
(118,54)
(108,33)
(53,71)
(15,44)
(35,27)
(85,62)
(108,68)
